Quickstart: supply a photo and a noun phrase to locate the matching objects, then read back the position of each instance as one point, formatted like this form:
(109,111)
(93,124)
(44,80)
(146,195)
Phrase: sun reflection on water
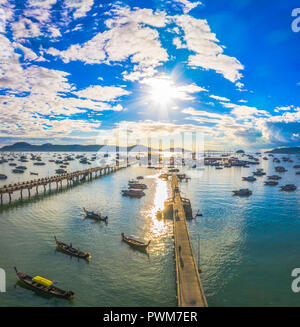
(157,227)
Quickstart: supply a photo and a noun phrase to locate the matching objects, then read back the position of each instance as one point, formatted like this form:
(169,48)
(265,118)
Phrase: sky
(77,71)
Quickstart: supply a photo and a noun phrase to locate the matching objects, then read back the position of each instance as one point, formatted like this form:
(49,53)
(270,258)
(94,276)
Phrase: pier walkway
(189,287)
(70,178)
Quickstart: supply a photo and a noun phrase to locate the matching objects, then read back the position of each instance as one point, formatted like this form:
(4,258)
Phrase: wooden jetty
(190,292)
(70,178)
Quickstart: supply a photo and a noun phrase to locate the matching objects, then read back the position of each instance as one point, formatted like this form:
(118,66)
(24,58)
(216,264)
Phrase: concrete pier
(190,292)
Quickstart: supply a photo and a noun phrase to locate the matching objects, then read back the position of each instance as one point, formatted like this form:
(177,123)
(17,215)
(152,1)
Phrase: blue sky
(75,71)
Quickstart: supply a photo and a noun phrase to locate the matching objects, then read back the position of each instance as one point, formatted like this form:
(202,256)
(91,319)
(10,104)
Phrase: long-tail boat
(94,215)
(72,251)
(133,193)
(137,186)
(242,192)
(271,183)
(288,187)
(133,242)
(44,285)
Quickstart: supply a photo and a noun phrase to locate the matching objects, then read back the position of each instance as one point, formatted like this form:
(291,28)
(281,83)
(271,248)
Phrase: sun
(161,90)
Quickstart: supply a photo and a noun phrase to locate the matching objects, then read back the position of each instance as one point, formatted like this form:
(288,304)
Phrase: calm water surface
(248,246)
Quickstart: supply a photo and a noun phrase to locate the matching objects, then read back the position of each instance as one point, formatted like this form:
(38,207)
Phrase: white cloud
(284,108)
(187,6)
(130,40)
(28,53)
(244,112)
(81,7)
(178,43)
(209,54)
(102,93)
(124,15)
(25,28)
(219,98)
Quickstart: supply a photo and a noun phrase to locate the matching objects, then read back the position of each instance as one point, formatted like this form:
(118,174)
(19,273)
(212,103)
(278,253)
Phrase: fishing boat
(2,176)
(21,167)
(133,242)
(60,171)
(32,173)
(242,192)
(44,285)
(174,170)
(271,183)
(288,187)
(249,179)
(297,172)
(18,171)
(274,177)
(94,215)
(72,251)
(137,186)
(133,193)
(198,214)
(280,169)
(259,172)
(132,181)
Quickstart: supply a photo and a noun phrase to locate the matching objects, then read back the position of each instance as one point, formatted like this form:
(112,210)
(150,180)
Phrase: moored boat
(133,193)
(280,169)
(134,242)
(274,177)
(249,179)
(18,171)
(2,176)
(271,183)
(137,186)
(94,215)
(288,187)
(72,251)
(60,171)
(44,285)
(242,192)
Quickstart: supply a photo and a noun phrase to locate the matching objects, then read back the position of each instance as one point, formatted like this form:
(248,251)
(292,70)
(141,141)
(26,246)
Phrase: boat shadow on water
(39,293)
(43,295)
(136,249)
(58,251)
(101,223)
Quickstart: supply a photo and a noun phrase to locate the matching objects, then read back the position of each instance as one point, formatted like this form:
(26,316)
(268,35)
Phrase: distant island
(48,147)
(290,150)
